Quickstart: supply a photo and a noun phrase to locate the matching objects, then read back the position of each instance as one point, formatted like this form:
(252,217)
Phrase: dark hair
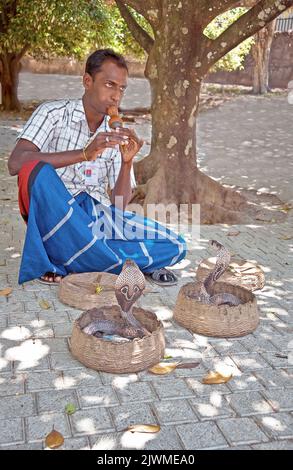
(96,59)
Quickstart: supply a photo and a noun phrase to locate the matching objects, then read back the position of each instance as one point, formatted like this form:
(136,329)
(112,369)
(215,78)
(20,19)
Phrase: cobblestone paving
(38,375)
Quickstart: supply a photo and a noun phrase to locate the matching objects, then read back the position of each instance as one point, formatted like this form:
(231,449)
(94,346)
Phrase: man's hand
(131,145)
(105,140)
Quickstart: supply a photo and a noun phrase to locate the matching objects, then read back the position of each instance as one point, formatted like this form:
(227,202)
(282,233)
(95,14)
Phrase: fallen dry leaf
(215,378)
(163,368)
(233,233)
(54,439)
(286,237)
(44,304)
(6,292)
(151,428)
(187,365)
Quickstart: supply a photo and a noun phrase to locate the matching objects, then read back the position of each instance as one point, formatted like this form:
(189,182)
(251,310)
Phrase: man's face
(106,88)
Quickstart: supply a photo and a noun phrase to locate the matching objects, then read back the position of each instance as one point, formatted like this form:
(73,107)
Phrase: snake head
(215,244)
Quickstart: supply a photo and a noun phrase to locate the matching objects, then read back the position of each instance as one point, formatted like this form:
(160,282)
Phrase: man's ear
(87,81)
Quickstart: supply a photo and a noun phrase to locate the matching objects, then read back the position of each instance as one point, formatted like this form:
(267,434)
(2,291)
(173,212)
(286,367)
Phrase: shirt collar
(78,115)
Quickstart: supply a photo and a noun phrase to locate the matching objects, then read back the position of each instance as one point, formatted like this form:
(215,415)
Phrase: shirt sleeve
(113,172)
(38,128)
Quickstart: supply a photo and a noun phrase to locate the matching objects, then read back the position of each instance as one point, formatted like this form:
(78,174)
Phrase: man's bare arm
(25,151)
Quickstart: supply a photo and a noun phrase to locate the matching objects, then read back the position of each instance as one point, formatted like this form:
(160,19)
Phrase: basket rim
(183,289)
(115,344)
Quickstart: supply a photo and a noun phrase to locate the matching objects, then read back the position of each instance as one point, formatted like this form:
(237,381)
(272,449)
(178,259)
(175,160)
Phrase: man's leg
(61,236)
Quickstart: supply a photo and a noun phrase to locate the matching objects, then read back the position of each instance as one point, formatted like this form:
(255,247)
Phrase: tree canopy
(52,26)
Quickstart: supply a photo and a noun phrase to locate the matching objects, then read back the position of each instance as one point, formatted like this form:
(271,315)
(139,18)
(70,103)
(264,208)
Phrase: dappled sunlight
(266,269)
(225,366)
(105,443)
(96,399)
(188,274)
(201,341)
(183,264)
(16,333)
(3,363)
(184,343)
(163,313)
(245,383)
(121,382)
(271,292)
(86,425)
(29,353)
(175,353)
(38,323)
(216,399)
(212,409)
(209,409)
(64,382)
(191,354)
(260,407)
(136,440)
(273,423)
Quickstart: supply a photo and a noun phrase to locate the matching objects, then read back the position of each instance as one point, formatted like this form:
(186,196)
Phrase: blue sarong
(68,234)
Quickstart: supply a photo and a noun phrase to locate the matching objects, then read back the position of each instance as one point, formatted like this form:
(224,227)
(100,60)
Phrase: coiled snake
(222,263)
(129,287)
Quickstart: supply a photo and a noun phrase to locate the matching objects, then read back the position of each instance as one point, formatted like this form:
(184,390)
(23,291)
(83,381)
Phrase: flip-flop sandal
(49,283)
(162,277)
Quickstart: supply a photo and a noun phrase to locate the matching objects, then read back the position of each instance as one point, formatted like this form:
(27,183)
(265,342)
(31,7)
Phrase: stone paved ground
(38,376)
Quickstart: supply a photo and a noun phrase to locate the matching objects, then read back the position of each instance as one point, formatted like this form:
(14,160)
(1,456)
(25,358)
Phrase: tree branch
(247,25)
(216,8)
(22,52)
(139,34)
(150,9)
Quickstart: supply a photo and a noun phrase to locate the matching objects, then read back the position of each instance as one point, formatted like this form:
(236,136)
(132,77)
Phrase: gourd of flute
(115,120)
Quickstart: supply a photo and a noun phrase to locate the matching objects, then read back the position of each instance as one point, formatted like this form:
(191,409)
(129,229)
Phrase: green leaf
(70,408)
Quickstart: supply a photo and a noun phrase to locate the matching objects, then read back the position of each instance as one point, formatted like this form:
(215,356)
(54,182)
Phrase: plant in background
(46,27)
(235,58)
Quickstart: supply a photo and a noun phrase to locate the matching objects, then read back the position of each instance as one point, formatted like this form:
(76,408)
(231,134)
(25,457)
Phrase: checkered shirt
(61,125)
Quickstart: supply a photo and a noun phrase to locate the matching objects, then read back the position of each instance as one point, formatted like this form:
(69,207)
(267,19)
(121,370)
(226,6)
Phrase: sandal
(50,283)
(163,277)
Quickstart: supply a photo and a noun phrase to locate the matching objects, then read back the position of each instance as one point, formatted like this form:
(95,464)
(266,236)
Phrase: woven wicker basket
(79,290)
(239,273)
(126,357)
(212,320)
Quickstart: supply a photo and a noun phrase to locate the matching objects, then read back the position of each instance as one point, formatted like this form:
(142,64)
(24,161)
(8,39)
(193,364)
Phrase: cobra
(129,287)
(222,263)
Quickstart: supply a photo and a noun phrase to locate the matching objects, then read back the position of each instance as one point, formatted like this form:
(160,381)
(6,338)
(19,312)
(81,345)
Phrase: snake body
(108,327)
(222,263)
(128,288)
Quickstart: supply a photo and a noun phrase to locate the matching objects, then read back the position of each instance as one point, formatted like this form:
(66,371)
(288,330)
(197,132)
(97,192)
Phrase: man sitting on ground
(66,157)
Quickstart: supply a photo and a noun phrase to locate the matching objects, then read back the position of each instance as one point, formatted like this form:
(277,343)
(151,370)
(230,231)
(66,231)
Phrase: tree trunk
(170,172)
(9,75)
(261,54)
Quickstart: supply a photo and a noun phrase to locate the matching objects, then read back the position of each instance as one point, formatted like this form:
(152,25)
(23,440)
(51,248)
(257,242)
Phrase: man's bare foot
(50,278)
